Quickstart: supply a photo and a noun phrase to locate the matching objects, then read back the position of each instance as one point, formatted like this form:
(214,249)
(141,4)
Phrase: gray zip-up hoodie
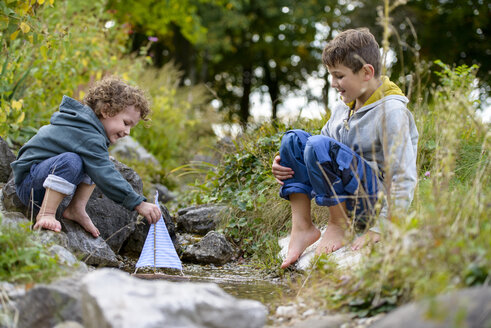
(77,129)
(383,132)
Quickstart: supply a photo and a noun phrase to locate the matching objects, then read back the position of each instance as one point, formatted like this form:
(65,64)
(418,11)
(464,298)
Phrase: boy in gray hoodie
(70,156)
(368,146)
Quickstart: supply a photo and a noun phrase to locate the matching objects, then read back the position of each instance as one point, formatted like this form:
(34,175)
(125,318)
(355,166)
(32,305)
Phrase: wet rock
(48,305)
(129,148)
(469,307)
(212,249)
(114,222)
(134,244)
(111,298)
(199,219)
(93,251)
(6,157)
(11,201)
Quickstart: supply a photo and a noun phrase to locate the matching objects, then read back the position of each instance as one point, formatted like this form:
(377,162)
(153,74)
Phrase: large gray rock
(93,251)
(199,219)
(134,244)
(469,308)
(47,305)
(111,298)
(6,157)
(212,249)
(114,222)
(129,148)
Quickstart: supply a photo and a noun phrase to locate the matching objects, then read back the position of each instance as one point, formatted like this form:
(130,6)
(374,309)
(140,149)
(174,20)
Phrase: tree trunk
(244,101)
(273,90)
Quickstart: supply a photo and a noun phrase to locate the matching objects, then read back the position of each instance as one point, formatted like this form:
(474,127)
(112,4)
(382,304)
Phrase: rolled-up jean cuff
(322,200)
(295,188)
(58,184)
(87,180)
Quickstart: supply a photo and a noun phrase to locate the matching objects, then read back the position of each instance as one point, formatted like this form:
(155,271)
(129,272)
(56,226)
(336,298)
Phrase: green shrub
(243,181)
(181,120)
(48,51)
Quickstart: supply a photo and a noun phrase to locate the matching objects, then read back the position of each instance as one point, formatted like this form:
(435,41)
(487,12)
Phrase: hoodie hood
(75,114)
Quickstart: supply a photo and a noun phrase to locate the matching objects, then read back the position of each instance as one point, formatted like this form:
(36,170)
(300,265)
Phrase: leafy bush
(243,181)
(181,119)
(50,50)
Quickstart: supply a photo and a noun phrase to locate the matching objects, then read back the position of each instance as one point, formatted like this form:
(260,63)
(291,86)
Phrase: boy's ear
(104,110)
(368,72)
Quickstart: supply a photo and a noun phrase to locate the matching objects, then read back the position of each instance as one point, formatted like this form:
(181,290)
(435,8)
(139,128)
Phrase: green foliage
(270,47)
(156,18)
(40,62)
(24,259)
(243,181)
(181,120)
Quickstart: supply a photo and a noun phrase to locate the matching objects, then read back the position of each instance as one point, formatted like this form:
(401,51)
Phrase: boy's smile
(351,86)
(119,125)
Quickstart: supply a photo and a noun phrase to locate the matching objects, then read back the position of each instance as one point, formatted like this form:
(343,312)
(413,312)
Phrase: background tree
(241,46)
(454,31)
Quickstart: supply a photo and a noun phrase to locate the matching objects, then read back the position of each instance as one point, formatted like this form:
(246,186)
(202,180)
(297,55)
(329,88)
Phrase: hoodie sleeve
(102,171)
(399,143)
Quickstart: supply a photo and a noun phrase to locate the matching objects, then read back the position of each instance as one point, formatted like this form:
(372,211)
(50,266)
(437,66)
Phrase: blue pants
(328,171)
(62,173)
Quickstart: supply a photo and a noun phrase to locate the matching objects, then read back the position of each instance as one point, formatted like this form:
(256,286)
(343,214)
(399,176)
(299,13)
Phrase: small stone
(289,311)
(308,313)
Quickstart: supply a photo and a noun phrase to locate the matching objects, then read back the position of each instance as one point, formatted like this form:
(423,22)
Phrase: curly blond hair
(112,95)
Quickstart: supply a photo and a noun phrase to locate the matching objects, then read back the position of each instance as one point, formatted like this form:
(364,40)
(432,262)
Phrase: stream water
(239,280)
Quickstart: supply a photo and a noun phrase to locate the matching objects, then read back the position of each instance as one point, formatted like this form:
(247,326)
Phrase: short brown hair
(353,48)
(112,95)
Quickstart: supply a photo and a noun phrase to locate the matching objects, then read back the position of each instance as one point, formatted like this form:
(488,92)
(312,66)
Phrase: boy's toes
(48,224)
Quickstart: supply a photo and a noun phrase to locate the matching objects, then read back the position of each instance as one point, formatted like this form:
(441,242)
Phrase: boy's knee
(69,163)
(293,139)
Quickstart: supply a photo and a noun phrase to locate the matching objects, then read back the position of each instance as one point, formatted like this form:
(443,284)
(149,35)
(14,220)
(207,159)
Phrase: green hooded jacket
(76,128)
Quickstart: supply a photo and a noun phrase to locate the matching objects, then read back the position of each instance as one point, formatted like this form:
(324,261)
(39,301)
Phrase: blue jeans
(328,171)
(62,173)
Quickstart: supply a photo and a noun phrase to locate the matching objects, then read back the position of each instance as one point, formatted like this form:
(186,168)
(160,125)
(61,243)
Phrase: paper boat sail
(158,250)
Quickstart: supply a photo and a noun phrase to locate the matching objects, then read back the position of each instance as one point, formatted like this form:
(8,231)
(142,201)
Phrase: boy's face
(119,125)
(350,86)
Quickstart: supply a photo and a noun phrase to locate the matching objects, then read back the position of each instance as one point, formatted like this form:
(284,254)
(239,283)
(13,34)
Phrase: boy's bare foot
(47,221)
(299,241)
(369,237)
(333,239)
(81,217)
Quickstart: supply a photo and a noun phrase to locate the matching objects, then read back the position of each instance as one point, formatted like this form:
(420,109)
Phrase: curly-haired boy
(70,156)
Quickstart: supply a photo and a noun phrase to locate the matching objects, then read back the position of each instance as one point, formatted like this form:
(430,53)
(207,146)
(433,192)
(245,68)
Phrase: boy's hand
(150,211)
(281,172)
(369,237)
